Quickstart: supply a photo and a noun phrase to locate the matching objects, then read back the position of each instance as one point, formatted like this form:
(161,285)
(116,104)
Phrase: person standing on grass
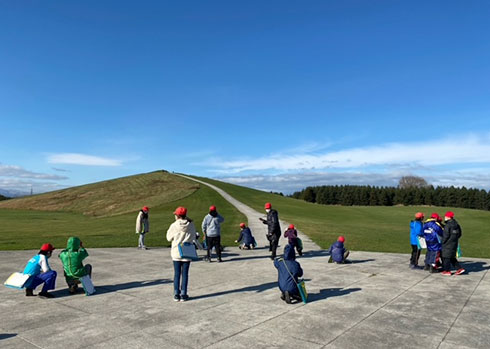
(416,230)
(40,271)
(273,228)
(182,230)
(450,238)
(142,226)
(211,228)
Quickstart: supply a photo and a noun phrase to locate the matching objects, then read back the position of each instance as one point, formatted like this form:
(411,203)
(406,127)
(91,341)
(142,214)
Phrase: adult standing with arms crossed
(273,228)
(211,228)
(142,226)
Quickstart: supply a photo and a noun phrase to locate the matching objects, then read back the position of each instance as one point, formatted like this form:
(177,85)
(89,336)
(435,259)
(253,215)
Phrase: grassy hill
(366,228)
(26,223)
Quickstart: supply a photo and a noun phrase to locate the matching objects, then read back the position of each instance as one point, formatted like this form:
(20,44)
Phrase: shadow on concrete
(243,258)
(331,292)
(317,253)
(7,335)
(256,288)
(102,289)
(474,267)
(357,261)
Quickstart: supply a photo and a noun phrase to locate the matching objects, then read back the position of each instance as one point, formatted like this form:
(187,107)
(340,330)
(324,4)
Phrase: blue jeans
(181,269)
(48,278)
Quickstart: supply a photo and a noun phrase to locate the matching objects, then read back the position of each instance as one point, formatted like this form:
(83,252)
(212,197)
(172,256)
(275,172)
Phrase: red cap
(291,226)
(212,208)
(47,247)
(341,239)
(242,225)
(145,208)
(267,205)
(435,216)
(419,215)
(449,214)
(180,211)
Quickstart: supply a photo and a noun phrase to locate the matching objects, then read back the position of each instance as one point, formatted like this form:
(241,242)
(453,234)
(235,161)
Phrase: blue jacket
(211,226)
(286,282)
(246,235)
(337,251)
(433,233)
(416,229)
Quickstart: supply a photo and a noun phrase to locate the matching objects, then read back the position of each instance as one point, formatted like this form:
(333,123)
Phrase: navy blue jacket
(286,283)
(246,235)
(433,234)
(337,251)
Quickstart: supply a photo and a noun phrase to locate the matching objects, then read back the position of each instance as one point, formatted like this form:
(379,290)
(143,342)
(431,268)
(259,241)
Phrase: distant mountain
(12,193)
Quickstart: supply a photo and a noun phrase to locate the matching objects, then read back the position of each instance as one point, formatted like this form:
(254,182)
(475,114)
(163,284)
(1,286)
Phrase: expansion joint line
(374,312)
(462,308)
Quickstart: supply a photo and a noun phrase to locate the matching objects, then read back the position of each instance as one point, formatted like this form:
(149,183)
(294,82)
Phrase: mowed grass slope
(366,228)
(29,229)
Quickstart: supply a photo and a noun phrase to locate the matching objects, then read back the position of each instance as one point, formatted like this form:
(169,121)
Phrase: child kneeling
(288,273)
(338,253)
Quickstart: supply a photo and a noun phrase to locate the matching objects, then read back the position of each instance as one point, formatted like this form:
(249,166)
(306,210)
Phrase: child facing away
(288,273)
(246,235)
(293,239)
(433,231)
(72,258)
(416,230)
(338,253)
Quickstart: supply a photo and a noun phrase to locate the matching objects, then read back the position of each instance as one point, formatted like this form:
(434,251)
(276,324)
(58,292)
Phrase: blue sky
(275,95)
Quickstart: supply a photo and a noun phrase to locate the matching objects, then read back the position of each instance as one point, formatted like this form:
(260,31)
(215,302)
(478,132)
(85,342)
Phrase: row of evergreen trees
(349,195)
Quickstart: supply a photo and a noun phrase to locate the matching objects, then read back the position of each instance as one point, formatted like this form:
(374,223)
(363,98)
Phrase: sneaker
(46,294)
(427,267)
(282,296)
(287,298)
(29,292)
(446,273)
(184,298)
(176,298)
(73,289)
(459,271)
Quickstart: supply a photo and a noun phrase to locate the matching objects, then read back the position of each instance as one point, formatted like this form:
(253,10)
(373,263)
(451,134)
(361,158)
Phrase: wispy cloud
(60,169)
(23,187)
(82,159)
(19,172)
(454,150)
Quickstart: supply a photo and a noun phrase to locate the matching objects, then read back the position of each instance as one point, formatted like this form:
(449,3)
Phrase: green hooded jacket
(72,258)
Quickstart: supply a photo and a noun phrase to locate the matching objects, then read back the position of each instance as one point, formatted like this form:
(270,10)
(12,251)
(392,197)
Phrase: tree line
(348,195)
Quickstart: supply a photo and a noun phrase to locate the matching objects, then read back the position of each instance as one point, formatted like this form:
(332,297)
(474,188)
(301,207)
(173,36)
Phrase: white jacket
(182,230)
(142,224)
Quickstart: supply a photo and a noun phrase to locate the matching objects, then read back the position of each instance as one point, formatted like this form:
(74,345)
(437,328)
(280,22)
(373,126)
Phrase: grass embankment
(29,229)
(366,228)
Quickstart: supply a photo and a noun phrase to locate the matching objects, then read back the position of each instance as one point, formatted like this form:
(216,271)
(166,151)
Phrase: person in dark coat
(452,234)
(293,239)
(246,236)
(273,228)
(288,273)
(338,253)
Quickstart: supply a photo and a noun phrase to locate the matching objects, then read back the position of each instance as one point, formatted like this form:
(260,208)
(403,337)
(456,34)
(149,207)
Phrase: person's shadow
(7,335)
(474,267)
(102,289)
(256,288)
(330,292)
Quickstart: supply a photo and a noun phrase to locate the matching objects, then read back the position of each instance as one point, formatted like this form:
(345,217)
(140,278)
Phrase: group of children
(40,272)
(441,239)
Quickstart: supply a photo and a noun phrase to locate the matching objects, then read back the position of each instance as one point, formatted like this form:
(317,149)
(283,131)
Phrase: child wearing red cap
(211,228)
(246,235)
(142,226)
(338,252)
(416,230)
(293,239)
(40,271)
(450,238)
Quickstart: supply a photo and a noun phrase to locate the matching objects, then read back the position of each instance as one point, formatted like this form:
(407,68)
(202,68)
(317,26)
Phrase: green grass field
(366,228)
(29,229)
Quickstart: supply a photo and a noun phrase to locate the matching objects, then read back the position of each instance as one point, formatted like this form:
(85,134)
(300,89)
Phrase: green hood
(73,244)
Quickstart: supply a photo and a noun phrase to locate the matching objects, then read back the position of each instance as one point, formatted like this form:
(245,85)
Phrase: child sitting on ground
(288,273)
(246,235)
(293,239)
(338,253)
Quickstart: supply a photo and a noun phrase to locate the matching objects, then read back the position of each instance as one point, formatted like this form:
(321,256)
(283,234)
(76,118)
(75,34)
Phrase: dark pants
(181,271)
(273,242)
(448,261)
(414,260)
(48,278)
(73,281)
(216,242)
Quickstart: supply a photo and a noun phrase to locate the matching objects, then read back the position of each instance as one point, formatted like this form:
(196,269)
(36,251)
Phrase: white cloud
(82,159)
(19,172)
(433,152)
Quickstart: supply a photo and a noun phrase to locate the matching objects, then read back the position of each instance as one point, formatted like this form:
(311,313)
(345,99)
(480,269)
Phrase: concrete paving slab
(375,301)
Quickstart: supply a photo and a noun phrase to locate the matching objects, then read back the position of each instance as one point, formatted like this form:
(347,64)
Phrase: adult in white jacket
(182,230)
